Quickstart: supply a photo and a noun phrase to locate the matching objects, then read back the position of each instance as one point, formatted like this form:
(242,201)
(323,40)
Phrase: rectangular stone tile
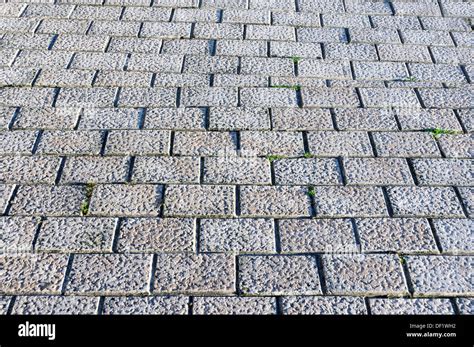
(126,200)
(137,142)
(154,63)
(465,305)
(5,195)
(278,275)
(26,97)
(95,170)
(95,12)
(17,77)
(427,37)
(204,143)
(55,305)
(43,59)
(441,172)
(48,200)
(114,28)
(175,118)
(182,47)
(297,19)
(344,51)
(448,98)
(109,118)
(166,170)
(6,115)
(26,41)
(316,235)
(17,234)
(298,83)
(230,80)
(199,200)
(63,26)
(424,202)
(76,235)
(381,306)
(239,118)
(252,16)
(234,306)
(374,36)
(4,304)
(322,305)
(98,61)
(365,119)
(71,142)
(455,235)
(166,30)
(147,235)
(393,97)
(267,143)
(241,48)
(440,275)
(307,171)
(467,197)
(463,39)
(452,55)
(65,78)
(395,235)
(86,97)
(236,170)
(281,96)
(301,119)
(196,15)
(218,31)
(237,236)
(458,9)
(210,65)
(123,79)
(32,273)
(167,80)
(28,169)
(325,70)
(457,146)
(212,96)
(295,49)
(146,14)
(266,66)
(274,201)
(467,119)
(430,8)
(380,70)
(423,119)
(156,305)
(321,6)
(333,143)
(345,20)
(147,97)
(364,274)
(17,142)
(70,42)
(329,97)
(191,273)
(377,171)
(110,274)
(324,35)
(273,32)
(406,144)
(134,45)
(404,53)
(437,73)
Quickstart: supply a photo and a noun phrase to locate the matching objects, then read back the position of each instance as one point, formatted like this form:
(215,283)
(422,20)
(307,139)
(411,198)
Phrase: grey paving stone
(100,61)
(457,146)
(12,9)
(297,82)
(327,305)
(26,41)
(137,142)
(43,59)
(177,3)
(239,118)
(440,275)
(204,143)
(175,118)
(378,36)
(310,171)
(448,24)
(268,97)
(272,5)
(301,119)
(324,70)
(196,200)
(336,201)
(345,20)
(17,234)
(166,170)
(278,275)
(448,98)
(383,306)
(17,142)
(39,273)
(265,143)
(95,170)
(237,236)
(147,97)
(343,51)
(154,63)
(109,118)
(228,31)
(426,37)
(236,170)
(55,305)
(365,119)
(5,194)
(211,96)
(114,28)
(71,142)
(147,235)
(437,73)
(48,200)
(96,12)
(430,8)
(165,30)
(397,235)
(179,47)
(423,119)
(156,305)
(324,35)
(196,15)
(63,26)
(110,274)
(295,49)
(434,172)
(274,201)
(467,196)
(126,200)
(134,45)
(333,144)
(241,48)
(229,80)
(234,306)
(4,304)
(467,119)
(465,305)
(297,19)
(316,235)
(28,169)
(266,66)
(86,97)
(424,202)
(370,7)
(463,39)
(321,6)
(380,70)
(452,55)
(76,235)
(180,80)
(17,77)
(377,171)
(455,234)
(405,144)
(194,273)
(252,16)
(363,274)
(267,32)
(404,53)
(46,118)
(26,97)
(213,64)
(70,42)
(329,97)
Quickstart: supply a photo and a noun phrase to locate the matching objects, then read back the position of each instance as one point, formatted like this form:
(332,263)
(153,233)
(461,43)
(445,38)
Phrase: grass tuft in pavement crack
(295,59)
(85,204)
(274,157)
(295,87)
(311,192)
(437,132)
(307,155)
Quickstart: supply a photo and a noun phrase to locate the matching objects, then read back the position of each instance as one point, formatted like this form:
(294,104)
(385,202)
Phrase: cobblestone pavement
(236,156)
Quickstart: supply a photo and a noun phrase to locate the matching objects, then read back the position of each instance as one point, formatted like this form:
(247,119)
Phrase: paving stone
(99,61)
(297,82)
(175,118)
(70,42)
(76,235)
(179,47)
(265,143)
(229,80)
(405,144)
(324,70)
(252,16)
(237,236)
(47,10)
(17,77)
(377,171)
(311,171)
(138,142)
(455,234)
(374,8)
(166,170)
(17,234)
(467,119)
(448,98)
(109,118)
(95,170)
(295,49)
(437,73)
(273,5)
(380,70)
(274,201)
(349,202)
(363,274)
(177,3)
(4,304)
(55,305)
(266,66)
(48,200)
(198,200)
(424,202)
(404,53)
(267,32)
(452,55)
(461,9)
(65,78)
(27,169)
(423,119)
(122,79)
(268,97)
(153,62)
(239,118)
(463,39)
(17,142)
(215,64)
(440,275)
(146,235)
(297,19)
(126,200)
(12,9)
(156,305)
(434,172)
(301,119)
(43,59)
(383,306)
(448,24)
(333,144)
(26,97)
(241,48)
(327,305)
(147,97)
(194,273)
(343,51)
(321,35)
(363,35)
(96,12)
(236,170)
(5,193)
(316,235)
(86,97)
(321,6)
(26,41)
(146,14)
(467,196)
(204,143)
(39,273)
(212,96)
(6,115)
(465,305)
(430,8)
(70,142)
(114,28)
(218,31)
(345,20)
(111,274)
(329,97)
(196,15)
(457,146)
(166,30)
(365,119)
(234,306)
(134,45)
(180,80)
(426,37)
(46,118)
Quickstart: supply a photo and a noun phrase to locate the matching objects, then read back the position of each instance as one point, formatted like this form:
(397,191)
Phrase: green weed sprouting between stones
(274,157)
(85,204)
(410,79)
(295,87)
(295,59)
(437,132)
(311,192)
(307,155)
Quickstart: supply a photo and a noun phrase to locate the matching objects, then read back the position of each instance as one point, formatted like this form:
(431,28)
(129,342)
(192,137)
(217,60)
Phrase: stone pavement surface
(236,156)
